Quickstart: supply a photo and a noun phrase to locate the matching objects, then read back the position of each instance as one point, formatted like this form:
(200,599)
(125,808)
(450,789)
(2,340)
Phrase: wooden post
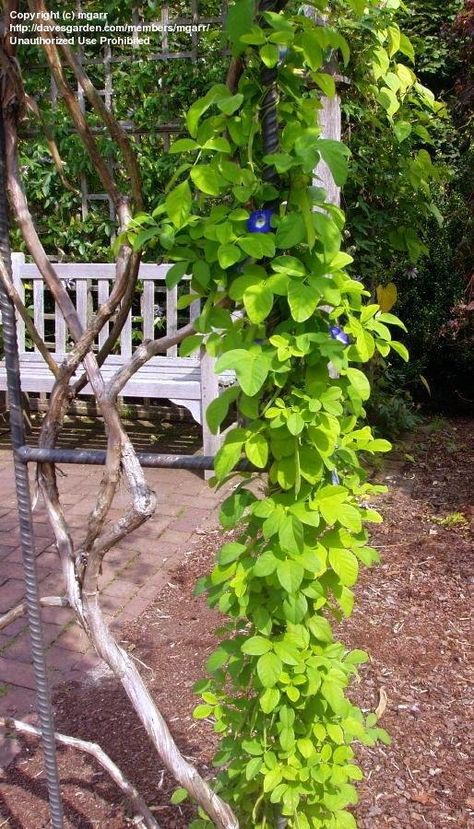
(209,392)
(330,122)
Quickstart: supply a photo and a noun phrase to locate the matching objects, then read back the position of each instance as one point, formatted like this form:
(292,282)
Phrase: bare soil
(412,616)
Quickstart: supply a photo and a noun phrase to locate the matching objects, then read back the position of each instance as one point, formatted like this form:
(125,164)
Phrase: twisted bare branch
(102,758)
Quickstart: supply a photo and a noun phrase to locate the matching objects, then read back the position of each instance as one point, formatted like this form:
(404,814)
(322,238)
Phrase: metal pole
(97,457)
(25,512)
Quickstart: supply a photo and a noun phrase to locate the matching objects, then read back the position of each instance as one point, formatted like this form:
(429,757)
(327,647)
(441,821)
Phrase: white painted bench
(186,381)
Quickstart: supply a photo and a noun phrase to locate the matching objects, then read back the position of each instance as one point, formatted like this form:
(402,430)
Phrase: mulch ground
(412,616)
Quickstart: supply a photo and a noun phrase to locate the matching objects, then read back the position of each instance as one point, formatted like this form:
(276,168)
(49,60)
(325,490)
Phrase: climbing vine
(281,310)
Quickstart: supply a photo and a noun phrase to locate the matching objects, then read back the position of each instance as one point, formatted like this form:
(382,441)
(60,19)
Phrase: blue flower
(282,53)
(260,221)
(340,335)
(334,477)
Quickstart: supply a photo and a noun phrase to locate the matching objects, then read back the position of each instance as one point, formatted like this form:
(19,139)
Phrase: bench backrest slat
(59,333)
(82,301)
(84,280)
(17,282)
(103,295)
(148,309)
(172,318)
(38,307)
(126,338)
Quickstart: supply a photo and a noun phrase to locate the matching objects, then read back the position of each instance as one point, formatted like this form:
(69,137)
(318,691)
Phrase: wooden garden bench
(186,381)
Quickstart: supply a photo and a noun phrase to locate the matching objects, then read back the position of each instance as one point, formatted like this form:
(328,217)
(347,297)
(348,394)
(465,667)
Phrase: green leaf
(230,552)
(401,349)
(200,106)
(333,693)
(325,82)
(311,465)
(233,508)
(258,245)
(228,255)
(295,608)
(291,534)
(380,445)
(239,21)
(356,657)
(269,700)
(178,204)
(290,231)
(253,767)
(290,265)
(229,453)
(336,155)
(290,574)
(402,130)
(406,47)
(269,668)
(201,273)
(183,145)
(190,344)
(302,299)
(345,564)
(269,54)
(391,319)
(175,273)
(312,50)
(329,500)
(179,796)
(265,565)
(350,517)
(359,382)
(295,424)
(207,179)
(251,368)
(231,104)
(218,143)
(256,449)
(256,646)
(388,100)
(258,302)
(202,711)
(218,409)
(320,628)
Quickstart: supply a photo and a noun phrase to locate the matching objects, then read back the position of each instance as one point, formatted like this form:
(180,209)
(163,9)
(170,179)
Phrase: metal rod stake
(25,513)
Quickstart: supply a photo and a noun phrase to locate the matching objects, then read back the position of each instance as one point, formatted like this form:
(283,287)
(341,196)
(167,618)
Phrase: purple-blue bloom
(260,221)
(282,53)
(339,335)
(334,477)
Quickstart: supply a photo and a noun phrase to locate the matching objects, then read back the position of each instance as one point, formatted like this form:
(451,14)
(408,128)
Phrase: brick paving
(132,574)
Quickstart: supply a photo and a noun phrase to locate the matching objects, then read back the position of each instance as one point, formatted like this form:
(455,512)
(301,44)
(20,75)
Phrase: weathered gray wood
(38,307)
(187,381)
(209,392)
(148,311)
(59,334)
(18,260)
(330,123)
(103,295)
(194,310)
(82,302)
(126,338)
(172,317)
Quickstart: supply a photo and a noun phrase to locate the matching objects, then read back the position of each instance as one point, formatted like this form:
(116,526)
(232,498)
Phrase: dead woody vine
(281,311)
(81,564)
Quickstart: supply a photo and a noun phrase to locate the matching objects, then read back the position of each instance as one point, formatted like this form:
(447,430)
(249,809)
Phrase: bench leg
(209,392)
